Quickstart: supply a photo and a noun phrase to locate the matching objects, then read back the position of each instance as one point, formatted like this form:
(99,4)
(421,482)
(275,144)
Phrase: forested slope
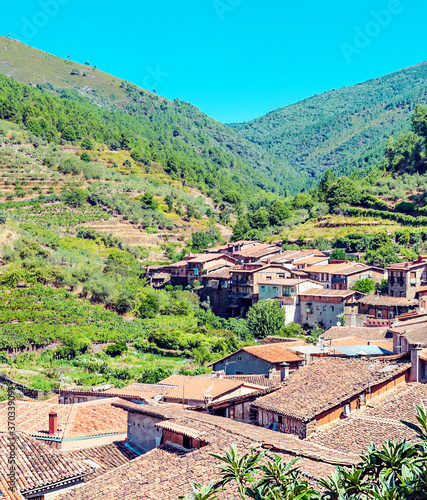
(344,129)
(178,129)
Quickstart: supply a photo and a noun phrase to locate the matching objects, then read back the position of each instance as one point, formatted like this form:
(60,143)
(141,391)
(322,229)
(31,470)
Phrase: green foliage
(293,330)
(201,240)
(338,254)
(116,349)
(75,197)
(343,192)
(85,156)
(264,318)
(396,471)
(365,286)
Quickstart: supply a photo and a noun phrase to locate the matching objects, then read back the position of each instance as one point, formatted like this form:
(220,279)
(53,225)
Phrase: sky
(234,59)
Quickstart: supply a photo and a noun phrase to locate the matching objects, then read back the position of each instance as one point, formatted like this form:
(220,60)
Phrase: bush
(116,349)
(264,318)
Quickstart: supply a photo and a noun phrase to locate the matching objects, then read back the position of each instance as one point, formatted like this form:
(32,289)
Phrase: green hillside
(175,125)
(344,129)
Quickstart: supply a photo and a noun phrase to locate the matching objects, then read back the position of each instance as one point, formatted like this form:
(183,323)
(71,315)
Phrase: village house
(136,392)
(293,258)
(200,264)
(343,275)
(171,274)
(192,391)
(405,278)
(287,291)
(326,307)
(233,247)
(365,333)
(410,337)
(382,310)
(245,281)
(216,288)
(377,423)
(178,446)
(262,252)
(324,391)
(261,359)
(68,427)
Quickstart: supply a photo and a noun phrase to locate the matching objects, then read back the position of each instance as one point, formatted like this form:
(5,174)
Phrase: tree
(87,144)
(343,192)
(419,123)
(148,202)
(364,286)
(404,152)
(325,185)
(241,228)
(85,156)
(149,306)
(3,217)
(278,212)
(76,197)
(169,202)
(264,318)
(338,254)
(382,287)
(200,240)
(259,220)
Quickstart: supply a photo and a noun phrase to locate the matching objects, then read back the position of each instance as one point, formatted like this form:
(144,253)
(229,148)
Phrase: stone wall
(27,391)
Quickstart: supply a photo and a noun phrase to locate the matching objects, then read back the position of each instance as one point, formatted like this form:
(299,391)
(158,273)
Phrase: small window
(263,289)
(332,308)
(280,419)
(239,358)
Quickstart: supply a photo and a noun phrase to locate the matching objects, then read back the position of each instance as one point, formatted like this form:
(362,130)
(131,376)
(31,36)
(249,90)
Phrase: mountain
(344,129)
(224,159)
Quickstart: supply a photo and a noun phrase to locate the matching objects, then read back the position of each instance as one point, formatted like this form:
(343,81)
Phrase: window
(274,289)
(413,275)
(239,358)
(332,308)
(186,442)
(280,419)
(380,314)
(263,289)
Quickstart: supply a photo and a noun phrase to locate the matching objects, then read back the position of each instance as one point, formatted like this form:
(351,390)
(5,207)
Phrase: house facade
(325,391)
(260,360)
(405,278)
(326,307)
(287,291)
(245,281)
(342,275)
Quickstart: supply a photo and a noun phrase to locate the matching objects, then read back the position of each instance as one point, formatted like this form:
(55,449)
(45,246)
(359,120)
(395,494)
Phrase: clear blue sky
(234,59)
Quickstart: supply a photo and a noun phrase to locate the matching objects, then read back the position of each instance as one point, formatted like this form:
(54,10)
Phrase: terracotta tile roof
(414,334)
(382,300)
(260,380)
(144,391)
(276,340)
(106,457)
(322,292)
(6,491)
(376,423)
(80,420)
(272,352)
(258,250)
(166,473)
(405,265)
(287,282)
(196,388)
(324,384)
(355,341)
(275,353)
(341,268)
(37,465)
(339,332)
(422,289)
(207,257)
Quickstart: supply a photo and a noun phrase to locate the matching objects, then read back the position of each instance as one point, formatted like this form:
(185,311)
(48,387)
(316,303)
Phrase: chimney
(284,371)
(271,372)
(414,374)
(53,423)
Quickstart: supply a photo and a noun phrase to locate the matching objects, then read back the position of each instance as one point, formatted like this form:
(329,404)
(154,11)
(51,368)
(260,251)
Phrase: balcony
(338,281)
(243,295)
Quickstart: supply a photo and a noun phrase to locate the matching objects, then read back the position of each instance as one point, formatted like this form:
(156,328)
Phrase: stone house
(387,309)
(260,360)
(287,291)
(325,391)
(193,391)
(405,278)
(216,288)
(325,307)
(199,265)
(245,281)
(342,275)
